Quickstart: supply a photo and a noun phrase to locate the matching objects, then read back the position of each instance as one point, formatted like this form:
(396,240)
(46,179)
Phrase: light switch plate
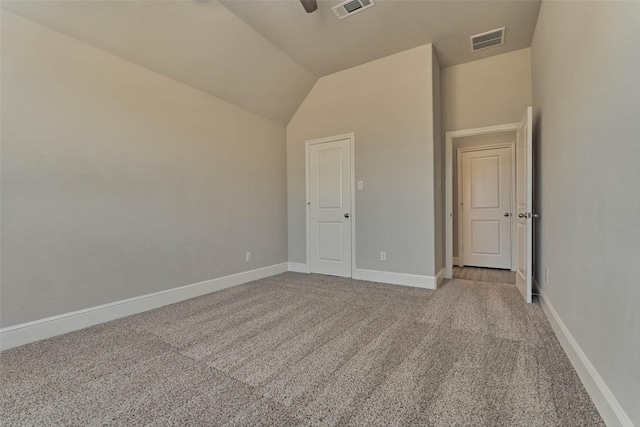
(360,185)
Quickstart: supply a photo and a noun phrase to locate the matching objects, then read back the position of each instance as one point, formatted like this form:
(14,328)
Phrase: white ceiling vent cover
(486,40)
(350,7)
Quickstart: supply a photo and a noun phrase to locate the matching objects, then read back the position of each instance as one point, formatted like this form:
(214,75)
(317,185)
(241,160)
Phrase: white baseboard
(456,260)
(604,400)
(415,280)
(14,336)
(299,267)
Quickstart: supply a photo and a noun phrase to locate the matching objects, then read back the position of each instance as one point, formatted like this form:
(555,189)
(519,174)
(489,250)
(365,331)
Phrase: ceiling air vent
(349,7)
(489,39)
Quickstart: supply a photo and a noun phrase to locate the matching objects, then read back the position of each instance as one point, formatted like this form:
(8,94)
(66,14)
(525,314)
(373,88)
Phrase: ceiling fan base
(309,5)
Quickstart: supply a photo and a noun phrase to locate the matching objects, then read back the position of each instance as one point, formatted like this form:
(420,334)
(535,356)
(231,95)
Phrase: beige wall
(586,93)
(491,91)
(118,182)
(388,103)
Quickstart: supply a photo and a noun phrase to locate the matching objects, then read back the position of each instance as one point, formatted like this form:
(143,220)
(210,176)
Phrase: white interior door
(486,207)
(330,207)
(524,205)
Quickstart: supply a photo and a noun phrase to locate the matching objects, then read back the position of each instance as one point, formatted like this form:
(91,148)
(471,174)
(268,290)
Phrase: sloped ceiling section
(324,44)
(199,43)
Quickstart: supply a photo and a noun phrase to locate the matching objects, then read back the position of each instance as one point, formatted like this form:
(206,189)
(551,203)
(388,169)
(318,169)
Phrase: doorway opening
(523,214)
(467,139)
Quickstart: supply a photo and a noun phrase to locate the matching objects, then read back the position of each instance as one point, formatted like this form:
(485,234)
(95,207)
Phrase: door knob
(522,215)
(507,214)
(346,215)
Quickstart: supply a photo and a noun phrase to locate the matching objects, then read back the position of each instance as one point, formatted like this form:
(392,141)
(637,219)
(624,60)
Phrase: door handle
(527,215)
(346,215)
(506,214)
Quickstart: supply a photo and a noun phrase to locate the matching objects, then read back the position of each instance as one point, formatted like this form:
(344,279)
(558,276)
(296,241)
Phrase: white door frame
(512,156)
(449,137)
(352,139)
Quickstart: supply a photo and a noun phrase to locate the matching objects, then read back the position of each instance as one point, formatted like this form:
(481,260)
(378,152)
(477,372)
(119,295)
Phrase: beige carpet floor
(299,349)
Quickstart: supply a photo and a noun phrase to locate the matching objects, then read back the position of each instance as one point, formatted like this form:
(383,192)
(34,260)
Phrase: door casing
(308,144)
(449,137)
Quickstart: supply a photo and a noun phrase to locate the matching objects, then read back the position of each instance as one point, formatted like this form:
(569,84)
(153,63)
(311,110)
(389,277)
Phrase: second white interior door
(486,188)
(330,208)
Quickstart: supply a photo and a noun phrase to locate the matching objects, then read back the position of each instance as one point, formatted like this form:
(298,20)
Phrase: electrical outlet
(383,256)
(247,257)
(546,275)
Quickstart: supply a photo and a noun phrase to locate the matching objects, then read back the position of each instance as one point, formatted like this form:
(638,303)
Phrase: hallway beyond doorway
(492,275)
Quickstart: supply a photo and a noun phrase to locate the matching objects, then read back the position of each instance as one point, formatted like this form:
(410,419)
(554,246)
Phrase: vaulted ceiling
(265,55)
(324,44)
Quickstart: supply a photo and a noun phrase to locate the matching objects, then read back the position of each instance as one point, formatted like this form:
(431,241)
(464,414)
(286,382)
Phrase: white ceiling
(265,55)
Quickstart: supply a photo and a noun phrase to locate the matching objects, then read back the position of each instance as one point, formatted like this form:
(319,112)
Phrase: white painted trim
(459,209)
(414,280)
(449,137)
(514,210)
(14,336)
(352,142)
(604,400)
(298,267)
(512,160)
(448,209)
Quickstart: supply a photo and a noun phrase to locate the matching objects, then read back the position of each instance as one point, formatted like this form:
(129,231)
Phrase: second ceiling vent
(489,39)
(350,7)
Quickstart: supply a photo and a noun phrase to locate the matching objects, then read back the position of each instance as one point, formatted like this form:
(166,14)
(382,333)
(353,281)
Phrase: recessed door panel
(485,237)
(329,178)
(330,238)
(485,182)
